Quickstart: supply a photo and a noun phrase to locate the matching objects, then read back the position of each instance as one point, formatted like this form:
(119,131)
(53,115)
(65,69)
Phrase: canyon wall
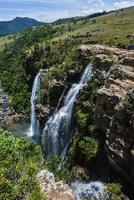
(114,104)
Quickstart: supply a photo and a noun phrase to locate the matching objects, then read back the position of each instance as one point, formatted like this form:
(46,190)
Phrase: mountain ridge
(17,24)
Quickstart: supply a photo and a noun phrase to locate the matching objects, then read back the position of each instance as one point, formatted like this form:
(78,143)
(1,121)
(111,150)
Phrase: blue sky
(50,10)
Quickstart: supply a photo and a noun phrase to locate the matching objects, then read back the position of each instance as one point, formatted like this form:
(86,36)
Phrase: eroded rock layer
(115,104)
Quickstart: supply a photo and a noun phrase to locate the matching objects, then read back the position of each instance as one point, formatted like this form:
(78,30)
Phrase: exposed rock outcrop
(42,113)
(54,190)
(79,173)
(4,107)
(56,91)
(115,104)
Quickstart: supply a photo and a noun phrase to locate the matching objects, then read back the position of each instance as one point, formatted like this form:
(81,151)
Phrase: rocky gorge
(113,102)
(102,118)
(67,109)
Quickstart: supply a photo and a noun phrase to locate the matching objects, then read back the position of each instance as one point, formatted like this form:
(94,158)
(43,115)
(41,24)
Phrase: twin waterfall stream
(58,133)
(34,127)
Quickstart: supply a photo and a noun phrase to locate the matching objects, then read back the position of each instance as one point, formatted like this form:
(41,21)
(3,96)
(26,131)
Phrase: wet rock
(42,113)
(54,190)
(72,76)
(11,119)
(56,91)
(43,71)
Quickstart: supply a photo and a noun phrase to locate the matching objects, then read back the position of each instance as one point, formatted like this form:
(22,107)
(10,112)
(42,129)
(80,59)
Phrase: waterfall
(93,191)
(57,131)
(34,127)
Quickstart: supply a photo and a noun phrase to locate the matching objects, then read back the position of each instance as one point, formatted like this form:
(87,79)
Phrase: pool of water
(21,128)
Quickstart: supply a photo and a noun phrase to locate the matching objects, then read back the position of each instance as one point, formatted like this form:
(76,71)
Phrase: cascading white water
(92,191)
(57,131)
(34,127)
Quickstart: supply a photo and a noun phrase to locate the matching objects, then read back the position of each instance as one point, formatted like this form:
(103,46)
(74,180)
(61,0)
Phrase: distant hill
(17,24)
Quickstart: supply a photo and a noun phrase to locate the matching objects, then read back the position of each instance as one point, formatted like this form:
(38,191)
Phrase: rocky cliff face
(115,104)
(4,107)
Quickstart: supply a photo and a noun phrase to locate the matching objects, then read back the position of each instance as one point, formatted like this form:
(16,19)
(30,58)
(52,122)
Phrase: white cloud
(123,4)
(50,16)
(96,3)
(93,6)
(82,9)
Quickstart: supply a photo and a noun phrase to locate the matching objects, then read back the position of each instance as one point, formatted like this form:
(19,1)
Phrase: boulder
(79,173)
(42,113)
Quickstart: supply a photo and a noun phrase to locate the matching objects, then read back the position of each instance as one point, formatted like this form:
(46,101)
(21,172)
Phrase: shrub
(89,147)
(82,119)
(52,164)
(36,194)
(115,190)
(94,21)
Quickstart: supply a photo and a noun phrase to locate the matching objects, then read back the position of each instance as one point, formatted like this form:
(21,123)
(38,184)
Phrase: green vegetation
(89,148)
(5,41)
(115,191)
(52,164)
(20,161)
(85,117)
(104,29)
(85,145)
(85,110)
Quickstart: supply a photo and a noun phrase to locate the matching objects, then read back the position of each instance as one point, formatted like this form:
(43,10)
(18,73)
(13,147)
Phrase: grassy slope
(116,24)
(5,41)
